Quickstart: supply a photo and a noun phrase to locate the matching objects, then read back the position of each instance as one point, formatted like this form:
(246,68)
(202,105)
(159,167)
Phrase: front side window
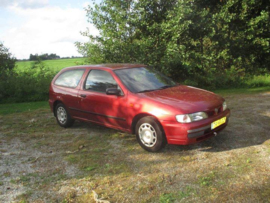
(70,78)
(99,81)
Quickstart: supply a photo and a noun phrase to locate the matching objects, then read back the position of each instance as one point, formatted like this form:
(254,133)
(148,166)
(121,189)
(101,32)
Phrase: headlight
(224,106)
(188,118)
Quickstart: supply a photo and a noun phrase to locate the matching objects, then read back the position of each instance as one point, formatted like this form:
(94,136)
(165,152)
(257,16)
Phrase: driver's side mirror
(113,91)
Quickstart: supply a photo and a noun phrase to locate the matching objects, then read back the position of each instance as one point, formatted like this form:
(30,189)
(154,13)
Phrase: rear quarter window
(70,78)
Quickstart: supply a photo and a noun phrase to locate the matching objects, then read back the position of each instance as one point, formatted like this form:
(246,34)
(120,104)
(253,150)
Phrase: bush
(30,85)
(259,81)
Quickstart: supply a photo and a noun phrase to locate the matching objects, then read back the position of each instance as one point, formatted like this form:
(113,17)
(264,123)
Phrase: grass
(74,161)
(208,179)
(259,81)
(6,109)
(177,196)
(55,65)
(167,198)
(234,91)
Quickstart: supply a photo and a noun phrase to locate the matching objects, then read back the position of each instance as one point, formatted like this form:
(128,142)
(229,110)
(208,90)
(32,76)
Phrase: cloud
(47,30)
(24,3)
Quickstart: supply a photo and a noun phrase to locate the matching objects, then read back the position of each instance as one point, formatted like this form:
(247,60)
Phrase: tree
(223,40)
(214,43)
(7,61)
(129,31)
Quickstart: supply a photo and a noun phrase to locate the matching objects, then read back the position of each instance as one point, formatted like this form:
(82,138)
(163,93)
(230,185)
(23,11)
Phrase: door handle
(83,95)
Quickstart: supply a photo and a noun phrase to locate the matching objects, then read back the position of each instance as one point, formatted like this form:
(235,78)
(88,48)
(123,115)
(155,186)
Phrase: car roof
(109,66)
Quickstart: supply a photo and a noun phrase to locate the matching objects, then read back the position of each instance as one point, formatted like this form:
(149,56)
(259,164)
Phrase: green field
(56,64)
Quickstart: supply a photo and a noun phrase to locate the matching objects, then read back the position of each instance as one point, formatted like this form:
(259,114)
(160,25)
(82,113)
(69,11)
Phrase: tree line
(203,42)
(37,57)
(46,56)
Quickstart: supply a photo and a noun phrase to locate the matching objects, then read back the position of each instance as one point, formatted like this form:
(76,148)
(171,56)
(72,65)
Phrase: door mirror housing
(113,91)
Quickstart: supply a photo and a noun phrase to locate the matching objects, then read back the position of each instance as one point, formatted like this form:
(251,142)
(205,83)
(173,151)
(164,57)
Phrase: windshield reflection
(143,79)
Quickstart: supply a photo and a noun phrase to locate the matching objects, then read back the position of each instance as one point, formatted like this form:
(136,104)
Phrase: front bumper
(189,133)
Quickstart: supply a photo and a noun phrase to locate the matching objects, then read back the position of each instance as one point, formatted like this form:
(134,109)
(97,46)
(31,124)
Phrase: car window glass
(143,79)
(99,81)
(70,78)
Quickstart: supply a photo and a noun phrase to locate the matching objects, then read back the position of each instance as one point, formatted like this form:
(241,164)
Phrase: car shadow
(249,126)
(232,137)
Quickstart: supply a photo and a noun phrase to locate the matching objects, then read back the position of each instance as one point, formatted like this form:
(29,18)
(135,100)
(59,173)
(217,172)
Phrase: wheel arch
(56,102)
(141,115)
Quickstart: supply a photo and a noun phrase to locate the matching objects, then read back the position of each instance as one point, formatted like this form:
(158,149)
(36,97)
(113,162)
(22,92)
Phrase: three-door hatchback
(139,100)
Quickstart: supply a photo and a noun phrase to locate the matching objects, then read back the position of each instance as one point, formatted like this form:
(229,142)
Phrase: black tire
(62,116)
(149,134)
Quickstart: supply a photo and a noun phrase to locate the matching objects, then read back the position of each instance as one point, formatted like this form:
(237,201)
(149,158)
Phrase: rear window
(69,78)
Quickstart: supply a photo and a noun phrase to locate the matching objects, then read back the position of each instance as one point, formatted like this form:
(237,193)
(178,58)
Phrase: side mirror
(113,91)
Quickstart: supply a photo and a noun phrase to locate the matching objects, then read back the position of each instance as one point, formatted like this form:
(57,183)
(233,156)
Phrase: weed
(70,196)
(71,158)
(7,174)
(167,198)
(207,180)
(90,168)
(13,181)
(186,192)
(23,197)
(25,179)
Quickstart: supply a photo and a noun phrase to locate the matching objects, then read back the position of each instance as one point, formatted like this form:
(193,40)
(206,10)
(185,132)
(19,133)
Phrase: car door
(109,110)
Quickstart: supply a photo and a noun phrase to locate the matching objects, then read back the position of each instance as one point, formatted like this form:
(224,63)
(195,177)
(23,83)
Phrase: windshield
(143,79)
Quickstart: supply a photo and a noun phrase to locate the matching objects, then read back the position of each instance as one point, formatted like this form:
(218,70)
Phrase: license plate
(218,123)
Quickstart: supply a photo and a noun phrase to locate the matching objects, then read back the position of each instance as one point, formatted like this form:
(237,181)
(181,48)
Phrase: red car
(139,100)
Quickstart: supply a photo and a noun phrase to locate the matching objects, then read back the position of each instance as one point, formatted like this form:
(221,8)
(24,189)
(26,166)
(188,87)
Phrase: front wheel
(149,134)
(62,116)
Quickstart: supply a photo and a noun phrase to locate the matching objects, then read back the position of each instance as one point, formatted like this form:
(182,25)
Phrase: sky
(43,26)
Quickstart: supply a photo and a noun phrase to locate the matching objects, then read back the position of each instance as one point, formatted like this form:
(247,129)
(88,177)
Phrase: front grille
(212,112)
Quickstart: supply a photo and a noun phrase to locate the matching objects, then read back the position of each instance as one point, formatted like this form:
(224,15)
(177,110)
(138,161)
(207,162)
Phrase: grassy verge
(254,90)
(22,107)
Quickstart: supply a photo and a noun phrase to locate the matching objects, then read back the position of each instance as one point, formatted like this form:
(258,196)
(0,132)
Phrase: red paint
(119,111)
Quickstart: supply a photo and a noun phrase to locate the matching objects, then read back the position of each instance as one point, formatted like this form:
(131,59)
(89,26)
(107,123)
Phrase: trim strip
(97,114)
(199,129)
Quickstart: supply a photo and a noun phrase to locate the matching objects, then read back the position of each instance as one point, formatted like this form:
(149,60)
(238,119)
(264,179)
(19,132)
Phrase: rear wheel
(62,116)
(149,134)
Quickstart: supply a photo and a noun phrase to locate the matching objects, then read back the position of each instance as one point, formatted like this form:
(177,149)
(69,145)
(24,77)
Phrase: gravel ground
(41,162)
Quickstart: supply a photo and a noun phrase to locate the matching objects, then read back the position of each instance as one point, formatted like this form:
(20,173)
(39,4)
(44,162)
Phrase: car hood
(186,99)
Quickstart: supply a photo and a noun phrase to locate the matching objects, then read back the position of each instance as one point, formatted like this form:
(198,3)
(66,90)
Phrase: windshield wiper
(165,87)
(146,90)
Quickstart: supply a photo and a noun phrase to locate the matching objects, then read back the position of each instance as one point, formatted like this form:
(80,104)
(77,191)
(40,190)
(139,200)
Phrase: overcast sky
(43,26)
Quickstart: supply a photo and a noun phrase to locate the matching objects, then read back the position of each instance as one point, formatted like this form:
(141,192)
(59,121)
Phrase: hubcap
(61,115)
(148,135)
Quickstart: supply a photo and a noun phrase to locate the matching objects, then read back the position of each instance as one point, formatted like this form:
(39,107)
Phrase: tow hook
(215,133)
